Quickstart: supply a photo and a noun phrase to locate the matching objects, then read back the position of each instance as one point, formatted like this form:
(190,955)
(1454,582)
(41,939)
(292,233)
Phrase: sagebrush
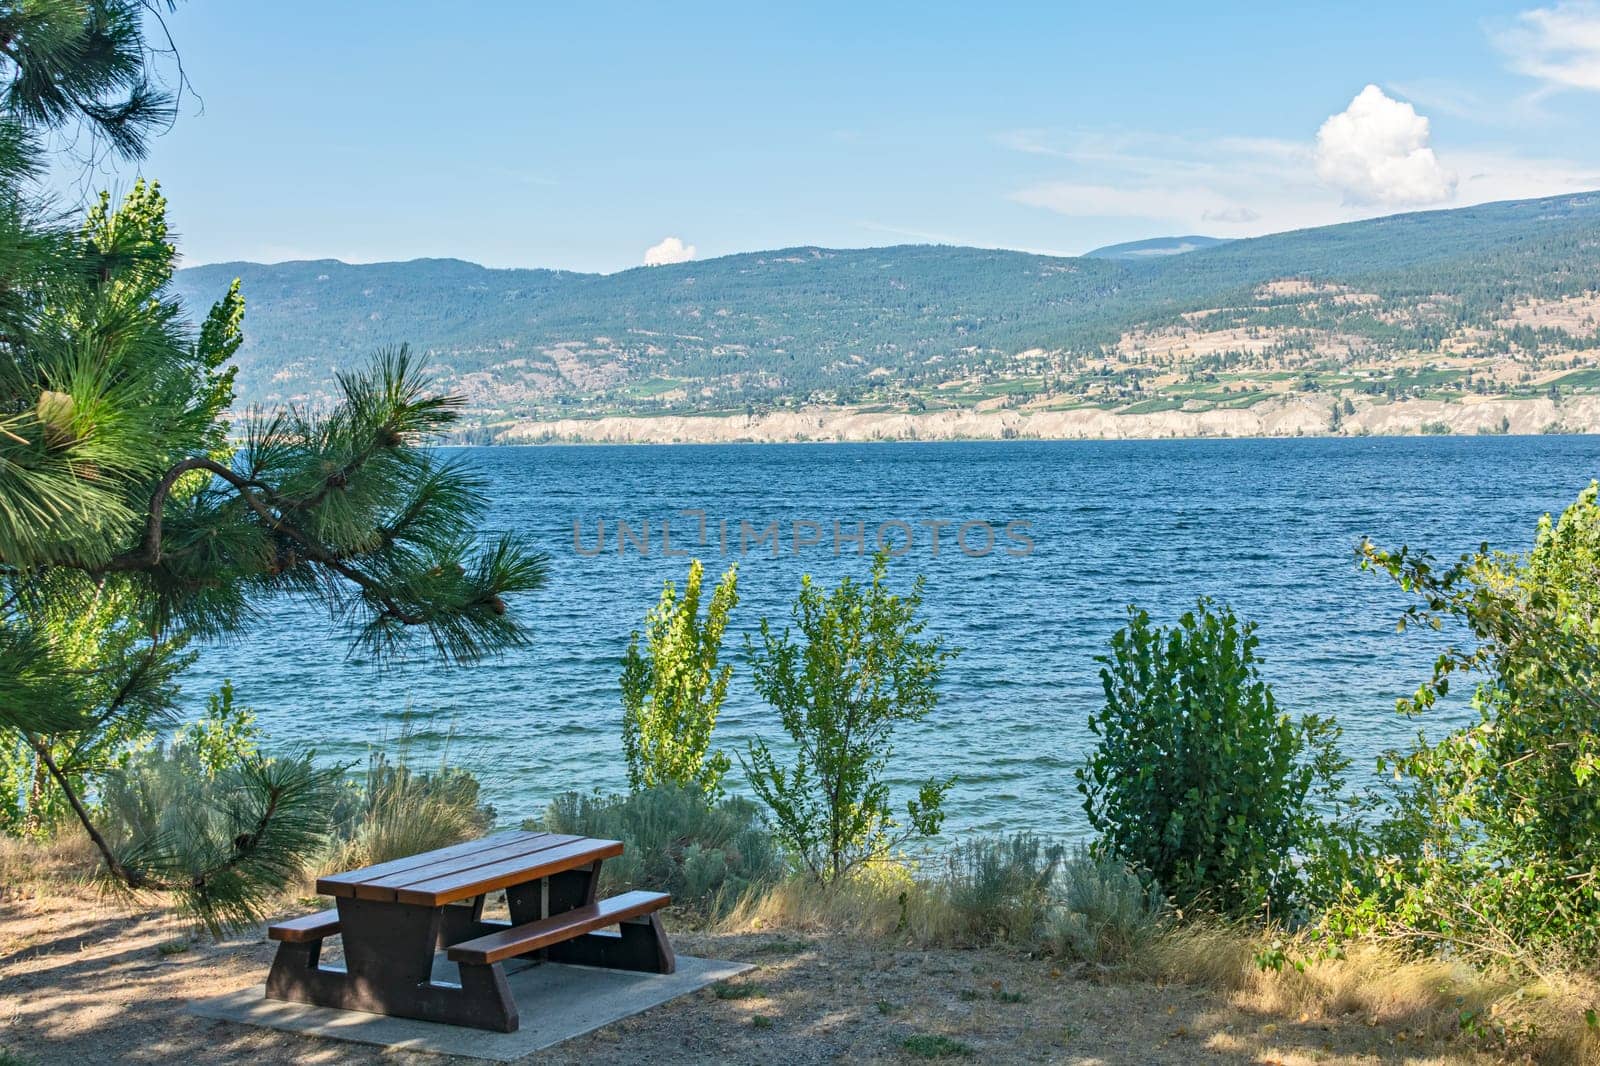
(707,855)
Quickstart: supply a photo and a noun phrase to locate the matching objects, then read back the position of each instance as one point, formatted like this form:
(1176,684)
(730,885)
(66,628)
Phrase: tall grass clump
(885,900)
(707,855)
(394,810)
(1516,1016)
(61,858)
(1020,892)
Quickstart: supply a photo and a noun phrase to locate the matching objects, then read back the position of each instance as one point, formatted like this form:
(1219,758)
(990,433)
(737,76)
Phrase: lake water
(1269,526)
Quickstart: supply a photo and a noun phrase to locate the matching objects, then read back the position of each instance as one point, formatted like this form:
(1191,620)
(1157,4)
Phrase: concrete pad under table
(556,1003)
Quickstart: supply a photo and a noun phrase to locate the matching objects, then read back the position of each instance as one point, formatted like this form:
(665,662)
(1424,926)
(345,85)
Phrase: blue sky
(581,135)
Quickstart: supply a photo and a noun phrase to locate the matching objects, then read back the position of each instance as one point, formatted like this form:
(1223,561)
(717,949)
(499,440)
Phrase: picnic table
(394,916)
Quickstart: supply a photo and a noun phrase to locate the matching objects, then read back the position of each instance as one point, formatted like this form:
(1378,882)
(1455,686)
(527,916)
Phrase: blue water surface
(1269,526)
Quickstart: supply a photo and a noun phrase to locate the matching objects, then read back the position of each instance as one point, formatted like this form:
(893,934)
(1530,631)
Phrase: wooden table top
(463,871)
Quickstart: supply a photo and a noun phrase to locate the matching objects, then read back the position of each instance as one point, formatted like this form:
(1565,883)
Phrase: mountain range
(1132,251)
(1496,301)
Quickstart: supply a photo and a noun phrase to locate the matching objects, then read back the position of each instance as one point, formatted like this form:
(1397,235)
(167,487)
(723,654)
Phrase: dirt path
(82,982)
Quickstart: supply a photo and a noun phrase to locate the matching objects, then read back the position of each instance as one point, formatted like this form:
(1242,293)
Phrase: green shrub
(1491,841)
(1000,887)
(706,855)
(234,835)
(1105,910)
(1198,780)
(862,670)
(672,691)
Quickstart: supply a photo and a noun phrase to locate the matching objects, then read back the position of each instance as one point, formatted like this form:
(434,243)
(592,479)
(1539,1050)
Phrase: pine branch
(148,554)
(131,878)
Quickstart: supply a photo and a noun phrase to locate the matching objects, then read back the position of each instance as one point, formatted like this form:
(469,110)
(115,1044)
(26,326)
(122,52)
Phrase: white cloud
(670,250)
(1084,200)
(1376,152)
(1559,45)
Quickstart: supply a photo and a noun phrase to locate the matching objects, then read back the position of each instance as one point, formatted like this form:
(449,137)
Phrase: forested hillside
(1498,299)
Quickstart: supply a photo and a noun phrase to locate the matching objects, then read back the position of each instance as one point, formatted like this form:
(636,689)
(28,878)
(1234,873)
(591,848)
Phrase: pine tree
(134,519)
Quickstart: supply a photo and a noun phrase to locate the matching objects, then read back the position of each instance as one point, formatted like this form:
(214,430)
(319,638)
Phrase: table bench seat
(558,928)
(304,930)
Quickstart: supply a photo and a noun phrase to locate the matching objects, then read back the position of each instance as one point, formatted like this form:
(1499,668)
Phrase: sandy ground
(85,982)
(1297,415)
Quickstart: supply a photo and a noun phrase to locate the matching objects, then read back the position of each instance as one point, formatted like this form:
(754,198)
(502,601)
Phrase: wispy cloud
(520,177)
(1235,216)
(1559,45)
(1085,200)
(1454,100)
(1233,186)
(1489,176)
(1371,158)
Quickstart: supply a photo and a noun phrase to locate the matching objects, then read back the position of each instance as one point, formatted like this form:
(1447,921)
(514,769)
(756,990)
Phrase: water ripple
(1269,525)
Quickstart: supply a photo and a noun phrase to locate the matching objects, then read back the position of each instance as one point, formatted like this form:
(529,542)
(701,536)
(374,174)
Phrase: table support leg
(554,894)
(290,966)
(388,969)
(640,944)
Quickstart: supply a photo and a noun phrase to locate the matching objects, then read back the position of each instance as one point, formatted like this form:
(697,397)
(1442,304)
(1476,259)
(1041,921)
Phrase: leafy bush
(1491,843)
(224,735)
(1000,887)
(673,690)
(1105,910)
(123,690)
(1198,780)
(395,811)
(706,855)
(861,671)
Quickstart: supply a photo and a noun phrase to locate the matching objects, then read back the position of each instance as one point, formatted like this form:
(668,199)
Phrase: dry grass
(1435,1001)
(1370,988)
(1543,1020)
(882,902)
(30,868)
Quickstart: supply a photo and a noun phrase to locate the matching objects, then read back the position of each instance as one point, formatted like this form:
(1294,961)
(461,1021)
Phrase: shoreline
(1291,417)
